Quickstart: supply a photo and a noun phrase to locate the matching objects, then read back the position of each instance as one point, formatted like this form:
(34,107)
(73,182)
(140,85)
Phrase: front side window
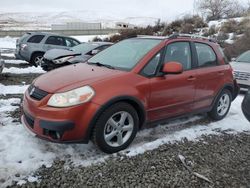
(151,68)
(36,39)
(125,54)
(54,40)
(206,55)
(179,52)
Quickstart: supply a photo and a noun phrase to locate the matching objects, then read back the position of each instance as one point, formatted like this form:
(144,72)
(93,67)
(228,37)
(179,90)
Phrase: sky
(125,8)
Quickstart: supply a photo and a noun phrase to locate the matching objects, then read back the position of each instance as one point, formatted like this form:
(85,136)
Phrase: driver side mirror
(233,59)
(172,68)
(94,52)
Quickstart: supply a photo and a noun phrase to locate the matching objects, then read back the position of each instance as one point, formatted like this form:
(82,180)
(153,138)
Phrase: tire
(34,59)
(106,135)
(221,106)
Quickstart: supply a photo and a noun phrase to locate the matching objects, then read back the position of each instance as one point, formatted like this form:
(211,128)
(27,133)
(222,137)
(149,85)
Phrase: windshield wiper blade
(101,65)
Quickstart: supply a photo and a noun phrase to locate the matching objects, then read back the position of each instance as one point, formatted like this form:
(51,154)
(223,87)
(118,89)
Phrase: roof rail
(193,36)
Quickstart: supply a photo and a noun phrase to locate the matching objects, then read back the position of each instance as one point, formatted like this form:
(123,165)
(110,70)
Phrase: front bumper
(49,65)
(61,125)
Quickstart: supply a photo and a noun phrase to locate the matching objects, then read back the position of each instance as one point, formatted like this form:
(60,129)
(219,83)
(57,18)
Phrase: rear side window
(54,40)
(206,55)
(36,39)
(179,52)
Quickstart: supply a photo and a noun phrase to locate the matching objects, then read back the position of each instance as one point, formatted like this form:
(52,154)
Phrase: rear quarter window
(206,55)
(36,39)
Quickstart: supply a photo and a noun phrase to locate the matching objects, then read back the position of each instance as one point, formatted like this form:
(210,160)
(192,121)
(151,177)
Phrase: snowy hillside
(36,20)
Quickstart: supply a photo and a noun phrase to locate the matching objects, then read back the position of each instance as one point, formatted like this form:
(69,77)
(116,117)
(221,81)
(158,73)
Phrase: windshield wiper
(101,65)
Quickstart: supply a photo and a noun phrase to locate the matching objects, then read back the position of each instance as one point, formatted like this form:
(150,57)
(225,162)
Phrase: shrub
(241,45)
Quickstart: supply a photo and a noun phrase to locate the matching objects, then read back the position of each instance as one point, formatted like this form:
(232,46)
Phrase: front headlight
(71,98)
(62,60)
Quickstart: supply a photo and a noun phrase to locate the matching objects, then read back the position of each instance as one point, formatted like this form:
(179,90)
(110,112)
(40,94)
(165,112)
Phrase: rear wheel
(37,59)
(116,128)
(222,105)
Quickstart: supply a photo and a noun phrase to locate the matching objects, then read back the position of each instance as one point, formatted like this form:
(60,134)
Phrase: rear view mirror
(172,68)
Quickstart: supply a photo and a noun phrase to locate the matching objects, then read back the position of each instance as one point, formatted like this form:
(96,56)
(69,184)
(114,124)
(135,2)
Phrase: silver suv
(32,46)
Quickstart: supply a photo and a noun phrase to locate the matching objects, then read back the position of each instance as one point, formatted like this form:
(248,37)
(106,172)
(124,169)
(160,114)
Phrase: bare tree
(217,9)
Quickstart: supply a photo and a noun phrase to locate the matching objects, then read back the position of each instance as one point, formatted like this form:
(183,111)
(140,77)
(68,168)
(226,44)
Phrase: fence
(18,33)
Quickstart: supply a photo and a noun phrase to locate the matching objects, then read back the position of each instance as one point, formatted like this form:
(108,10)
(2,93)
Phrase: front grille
(242,75)
(30,120)
(36,93)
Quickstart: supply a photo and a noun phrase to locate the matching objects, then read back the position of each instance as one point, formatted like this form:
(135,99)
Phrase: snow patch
(235,123)
(14,70)
(13,89)
(8,42)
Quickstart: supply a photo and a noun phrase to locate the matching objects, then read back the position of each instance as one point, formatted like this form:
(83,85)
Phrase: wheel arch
(36,52)
(134,102)
(229,87)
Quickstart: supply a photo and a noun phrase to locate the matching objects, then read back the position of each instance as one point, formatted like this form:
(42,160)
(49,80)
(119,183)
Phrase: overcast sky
(152,8)
(166,9)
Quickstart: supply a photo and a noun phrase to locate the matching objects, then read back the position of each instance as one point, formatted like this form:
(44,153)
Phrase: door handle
(191,78)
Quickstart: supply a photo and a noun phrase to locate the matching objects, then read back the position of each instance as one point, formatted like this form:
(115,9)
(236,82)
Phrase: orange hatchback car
(133,83)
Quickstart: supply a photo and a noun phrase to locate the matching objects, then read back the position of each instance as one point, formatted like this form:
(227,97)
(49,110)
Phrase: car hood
(57,53)
(74,76)
(240,66)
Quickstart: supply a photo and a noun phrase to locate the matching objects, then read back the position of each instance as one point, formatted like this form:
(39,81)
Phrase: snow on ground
(234,123)
(15,62)
(14,70)
(8,42)
(17,159)
(89,38)
(12,89)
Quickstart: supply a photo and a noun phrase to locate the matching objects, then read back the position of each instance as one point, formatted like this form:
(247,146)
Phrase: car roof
(47,33)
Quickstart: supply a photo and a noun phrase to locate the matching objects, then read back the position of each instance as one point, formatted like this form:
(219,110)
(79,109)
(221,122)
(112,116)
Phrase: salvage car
(132,84)
(241,67)
(246,105)
(59,57)
(32,46)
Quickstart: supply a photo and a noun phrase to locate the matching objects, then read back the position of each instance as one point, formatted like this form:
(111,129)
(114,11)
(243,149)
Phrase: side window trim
(162,52)
(197,59)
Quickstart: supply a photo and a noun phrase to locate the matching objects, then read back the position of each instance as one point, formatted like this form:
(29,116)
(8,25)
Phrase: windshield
(245,57)
(125,54)
(84,48)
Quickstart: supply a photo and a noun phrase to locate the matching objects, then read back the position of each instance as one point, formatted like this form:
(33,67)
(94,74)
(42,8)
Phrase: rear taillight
(23,46)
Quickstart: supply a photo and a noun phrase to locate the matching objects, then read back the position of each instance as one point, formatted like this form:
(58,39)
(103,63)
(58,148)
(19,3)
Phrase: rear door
(55,42)
(173,94)
(210,75)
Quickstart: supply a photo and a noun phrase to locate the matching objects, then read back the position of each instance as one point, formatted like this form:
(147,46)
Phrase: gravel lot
(224,160)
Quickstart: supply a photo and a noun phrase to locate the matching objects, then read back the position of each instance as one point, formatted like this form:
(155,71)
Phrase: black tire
(99,129)
(214,114)
(34,57)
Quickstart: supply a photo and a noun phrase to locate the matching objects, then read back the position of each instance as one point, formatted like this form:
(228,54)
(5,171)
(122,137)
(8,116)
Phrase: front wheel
(222,105)
(116,128)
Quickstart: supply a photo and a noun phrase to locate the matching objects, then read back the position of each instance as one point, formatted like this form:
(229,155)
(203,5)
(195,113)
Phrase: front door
(173,94)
